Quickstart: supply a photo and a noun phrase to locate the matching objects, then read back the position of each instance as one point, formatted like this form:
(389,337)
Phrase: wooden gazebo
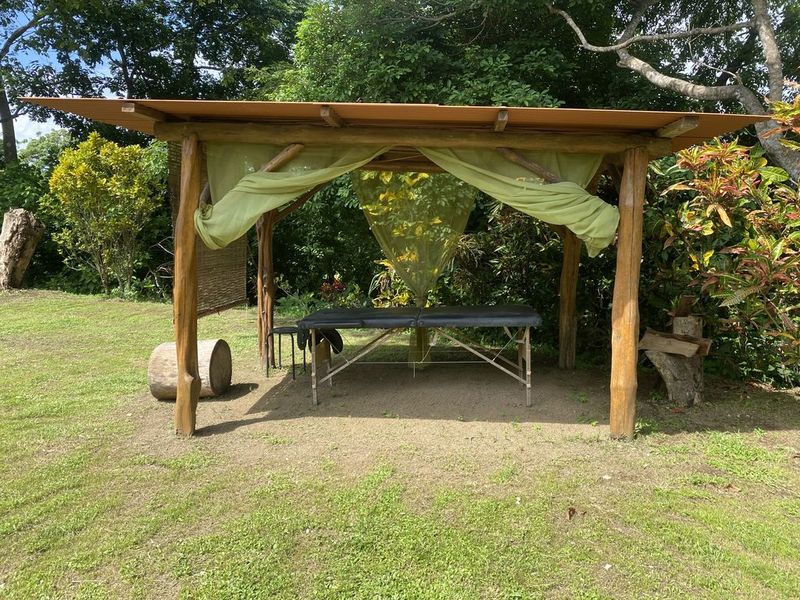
(628,139)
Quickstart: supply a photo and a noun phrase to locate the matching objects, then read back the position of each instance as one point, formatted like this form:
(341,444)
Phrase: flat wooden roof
(683,128)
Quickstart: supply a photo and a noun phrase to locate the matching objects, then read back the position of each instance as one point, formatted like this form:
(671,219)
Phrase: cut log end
(214,365)
(20,233)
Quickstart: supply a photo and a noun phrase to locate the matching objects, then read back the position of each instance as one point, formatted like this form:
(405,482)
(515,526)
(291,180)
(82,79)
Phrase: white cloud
(27,129)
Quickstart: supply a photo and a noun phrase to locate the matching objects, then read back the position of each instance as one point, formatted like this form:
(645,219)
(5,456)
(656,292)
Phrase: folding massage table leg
(528,400)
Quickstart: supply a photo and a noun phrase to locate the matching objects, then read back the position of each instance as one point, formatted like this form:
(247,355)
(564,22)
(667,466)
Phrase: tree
(103,194)
(458,51)
(732,49)
(18,19)
(133,48)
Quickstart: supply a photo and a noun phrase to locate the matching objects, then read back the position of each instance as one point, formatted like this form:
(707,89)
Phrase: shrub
(728,227)
(101,196)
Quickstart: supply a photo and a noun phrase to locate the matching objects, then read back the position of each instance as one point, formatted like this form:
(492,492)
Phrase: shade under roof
(413,116)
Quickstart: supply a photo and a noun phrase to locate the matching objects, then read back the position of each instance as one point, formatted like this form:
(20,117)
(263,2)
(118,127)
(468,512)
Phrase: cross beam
(397,136)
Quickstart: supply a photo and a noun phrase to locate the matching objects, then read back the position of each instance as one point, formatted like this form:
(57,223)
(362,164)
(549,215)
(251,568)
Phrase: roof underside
(147,113)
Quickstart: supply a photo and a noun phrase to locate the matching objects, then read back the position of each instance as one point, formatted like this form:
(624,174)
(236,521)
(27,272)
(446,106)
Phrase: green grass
(87,512)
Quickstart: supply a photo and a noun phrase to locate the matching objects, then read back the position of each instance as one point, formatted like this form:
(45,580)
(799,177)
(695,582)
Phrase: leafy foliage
(733,236)
(102,195)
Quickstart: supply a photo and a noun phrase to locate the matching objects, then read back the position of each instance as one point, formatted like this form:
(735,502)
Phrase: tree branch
(772,55)
(19,32)
(633,39)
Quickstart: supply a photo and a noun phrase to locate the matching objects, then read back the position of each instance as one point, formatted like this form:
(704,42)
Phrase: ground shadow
(479,392)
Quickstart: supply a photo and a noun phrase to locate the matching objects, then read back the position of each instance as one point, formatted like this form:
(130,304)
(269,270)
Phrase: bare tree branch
(675,35)
(772,56)
(761,25)
(15,35)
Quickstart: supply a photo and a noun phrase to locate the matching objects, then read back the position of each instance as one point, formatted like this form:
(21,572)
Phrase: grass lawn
(99,500)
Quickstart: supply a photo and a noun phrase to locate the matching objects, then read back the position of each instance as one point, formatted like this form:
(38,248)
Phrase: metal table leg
(528,400)
(314,400)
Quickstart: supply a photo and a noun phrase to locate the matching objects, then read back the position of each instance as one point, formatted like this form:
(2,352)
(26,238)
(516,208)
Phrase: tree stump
(214,366)
(20,234)
(682,374)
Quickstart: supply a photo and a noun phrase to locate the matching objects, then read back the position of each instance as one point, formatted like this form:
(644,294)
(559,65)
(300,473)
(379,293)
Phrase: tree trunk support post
(266,289)
(185,289)
(568,293)
(625,308)
(265,284)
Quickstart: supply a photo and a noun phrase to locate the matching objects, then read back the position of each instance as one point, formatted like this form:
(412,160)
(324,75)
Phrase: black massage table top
(514,315)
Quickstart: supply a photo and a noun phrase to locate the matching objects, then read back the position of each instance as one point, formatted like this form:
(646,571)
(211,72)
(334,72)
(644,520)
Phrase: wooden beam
(283,157)
(679,127)
(542,172)
(418,166)
(501,120)
(625,308)
(143,111)
(567,300)
(331,117)
(301,200)
(414,137)
(184,303)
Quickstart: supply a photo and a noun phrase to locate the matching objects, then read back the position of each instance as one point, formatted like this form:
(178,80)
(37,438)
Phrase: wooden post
(567,298)
(184,298)
(625,309)
(266,289)
(265,284)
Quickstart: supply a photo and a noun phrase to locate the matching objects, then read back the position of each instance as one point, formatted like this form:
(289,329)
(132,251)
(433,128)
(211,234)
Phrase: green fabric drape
(417,219)
(566,203)
(241,193)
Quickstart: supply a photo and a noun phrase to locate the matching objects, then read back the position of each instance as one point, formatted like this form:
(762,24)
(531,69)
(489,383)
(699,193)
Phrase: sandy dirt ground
(454,423)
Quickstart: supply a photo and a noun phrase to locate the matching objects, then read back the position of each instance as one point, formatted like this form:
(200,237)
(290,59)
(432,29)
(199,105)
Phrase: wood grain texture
(625,309)
(184,302)
(501,120)
(396,136)
(331,117)
(567,300)
(678,127)
(265,276)
(542,172)
(213,364)
(145,112)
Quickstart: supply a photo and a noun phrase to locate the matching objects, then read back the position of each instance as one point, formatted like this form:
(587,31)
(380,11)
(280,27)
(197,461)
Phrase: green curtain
(241,193)
(566,203)
(417,219)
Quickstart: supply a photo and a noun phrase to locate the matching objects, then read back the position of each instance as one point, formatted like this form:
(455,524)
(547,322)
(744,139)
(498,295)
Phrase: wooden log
(568,285)
(297,204)
(567,300)
(418,137)
(692,325)
(689,325)
(18,239)
(625,308)
(266,289)
(663,342)
(265,284)
(184,293)
(542,172)
(213,367)
(682,376)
